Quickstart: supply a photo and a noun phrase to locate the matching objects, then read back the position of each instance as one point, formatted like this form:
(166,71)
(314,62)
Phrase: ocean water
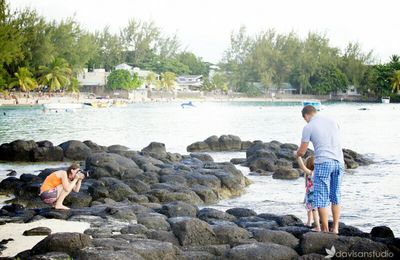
(371,194)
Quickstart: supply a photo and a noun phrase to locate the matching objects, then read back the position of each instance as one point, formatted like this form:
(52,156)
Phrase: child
(312,213)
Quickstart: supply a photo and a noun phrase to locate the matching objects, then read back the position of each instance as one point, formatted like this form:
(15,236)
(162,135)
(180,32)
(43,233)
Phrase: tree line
(39,54)
(310,65)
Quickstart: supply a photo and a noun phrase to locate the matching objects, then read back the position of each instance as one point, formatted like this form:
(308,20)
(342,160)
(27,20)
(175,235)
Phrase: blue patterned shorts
(327,181)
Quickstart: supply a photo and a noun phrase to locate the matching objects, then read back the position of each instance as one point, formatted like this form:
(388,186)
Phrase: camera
(85,173)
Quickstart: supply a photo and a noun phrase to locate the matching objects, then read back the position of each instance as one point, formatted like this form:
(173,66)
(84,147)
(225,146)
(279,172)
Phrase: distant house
(189,82)
(97,77)
(124,66)
(351,91)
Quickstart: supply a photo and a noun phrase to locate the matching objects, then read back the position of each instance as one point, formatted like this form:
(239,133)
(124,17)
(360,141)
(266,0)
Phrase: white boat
(385,100)
(316,104)
(62,106)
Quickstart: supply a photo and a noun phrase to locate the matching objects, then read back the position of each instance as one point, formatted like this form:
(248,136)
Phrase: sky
(204,26)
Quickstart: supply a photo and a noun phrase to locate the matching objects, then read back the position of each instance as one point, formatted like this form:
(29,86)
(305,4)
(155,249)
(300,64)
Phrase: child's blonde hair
(310,163)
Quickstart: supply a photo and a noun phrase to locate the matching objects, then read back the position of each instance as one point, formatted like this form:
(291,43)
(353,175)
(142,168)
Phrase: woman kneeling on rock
(59,184)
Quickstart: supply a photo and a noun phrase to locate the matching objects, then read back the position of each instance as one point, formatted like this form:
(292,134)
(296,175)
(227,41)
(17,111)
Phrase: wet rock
(282,220)
(294,230)
(206,194)
(285,173)
(312,256)
(229,234)
(26,177)
(122,213)
(241,212)
(55,213)
(198,147)
(154,221)
(45,143)
(137,185)
(106,254)
(261,251)
(134,229)
(262,164)
(216,250)
(47,154)
(18,150)
(230,143)
(37,231)
(274,236)
(238,160)
(69,243)
(345,230)
(10,185)
(208,214)
(75,150)
(156,150)
(153,249)
(116,148)
(382,232)
(192,231)
(202,157)
(51,256)
(316,242)
(95,147)
(164,236)
(117,189)
(78,200)
(197,255)
(179,209)
(111,165)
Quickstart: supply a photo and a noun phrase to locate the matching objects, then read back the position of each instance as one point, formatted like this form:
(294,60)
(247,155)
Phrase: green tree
(56,75)
(122,79)
(119,79)
(110,50)
(327,79)
(23,80)
(151,79)
(196,66)
(395,81)
(219,80)
(167,80)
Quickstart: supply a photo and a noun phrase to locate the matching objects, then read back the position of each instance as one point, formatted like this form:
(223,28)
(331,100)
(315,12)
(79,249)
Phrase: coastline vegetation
(38,54)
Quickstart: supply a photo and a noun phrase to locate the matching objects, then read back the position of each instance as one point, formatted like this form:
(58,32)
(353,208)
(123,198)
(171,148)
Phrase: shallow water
(370,194)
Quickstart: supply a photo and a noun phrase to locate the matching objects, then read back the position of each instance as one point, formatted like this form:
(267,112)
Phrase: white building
(142,74)
(189,82)
(97,77)
(351,91)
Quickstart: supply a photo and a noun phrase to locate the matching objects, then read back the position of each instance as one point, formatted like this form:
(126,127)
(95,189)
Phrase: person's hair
(73,166)
(308,110)
(310,163)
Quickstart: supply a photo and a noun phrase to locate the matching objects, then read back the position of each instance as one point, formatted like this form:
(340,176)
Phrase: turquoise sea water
(370,194)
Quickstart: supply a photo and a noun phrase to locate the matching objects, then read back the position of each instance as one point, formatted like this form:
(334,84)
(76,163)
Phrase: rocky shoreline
(152,204)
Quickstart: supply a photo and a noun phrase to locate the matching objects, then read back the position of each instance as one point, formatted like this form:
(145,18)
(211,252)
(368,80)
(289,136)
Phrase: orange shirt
(50,182)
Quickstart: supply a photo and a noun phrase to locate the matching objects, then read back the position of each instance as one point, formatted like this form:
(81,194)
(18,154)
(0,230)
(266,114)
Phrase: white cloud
(204,26)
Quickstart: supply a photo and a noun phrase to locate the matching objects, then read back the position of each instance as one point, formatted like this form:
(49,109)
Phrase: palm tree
(23,80)
(167,80)
(394,58)
(151,79)
(57,75)
(395,81)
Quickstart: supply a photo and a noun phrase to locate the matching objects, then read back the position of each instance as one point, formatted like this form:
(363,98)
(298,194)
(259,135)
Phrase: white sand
(21,243)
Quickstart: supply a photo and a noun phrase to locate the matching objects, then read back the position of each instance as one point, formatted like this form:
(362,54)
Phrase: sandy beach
(21,243)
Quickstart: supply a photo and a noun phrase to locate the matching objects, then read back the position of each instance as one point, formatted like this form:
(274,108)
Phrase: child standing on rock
(312,213)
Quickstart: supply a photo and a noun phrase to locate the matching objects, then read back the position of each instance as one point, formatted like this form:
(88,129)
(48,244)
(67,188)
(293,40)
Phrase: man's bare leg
(336,217)
(323,216)
(61,195)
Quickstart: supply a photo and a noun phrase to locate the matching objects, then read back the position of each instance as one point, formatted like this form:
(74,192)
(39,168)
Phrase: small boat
(119,104)
(62,106)
(316,104)
(385,100)
(100,104)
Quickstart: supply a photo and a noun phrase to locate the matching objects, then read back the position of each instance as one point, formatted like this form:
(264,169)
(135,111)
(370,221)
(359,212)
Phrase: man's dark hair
(73,166)
(308,110)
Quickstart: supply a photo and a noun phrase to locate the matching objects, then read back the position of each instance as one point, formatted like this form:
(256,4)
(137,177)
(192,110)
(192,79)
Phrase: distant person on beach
(312,212)
(59,184)
(323,132)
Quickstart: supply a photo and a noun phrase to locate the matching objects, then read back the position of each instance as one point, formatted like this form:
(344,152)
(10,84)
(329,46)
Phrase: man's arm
(302,149)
